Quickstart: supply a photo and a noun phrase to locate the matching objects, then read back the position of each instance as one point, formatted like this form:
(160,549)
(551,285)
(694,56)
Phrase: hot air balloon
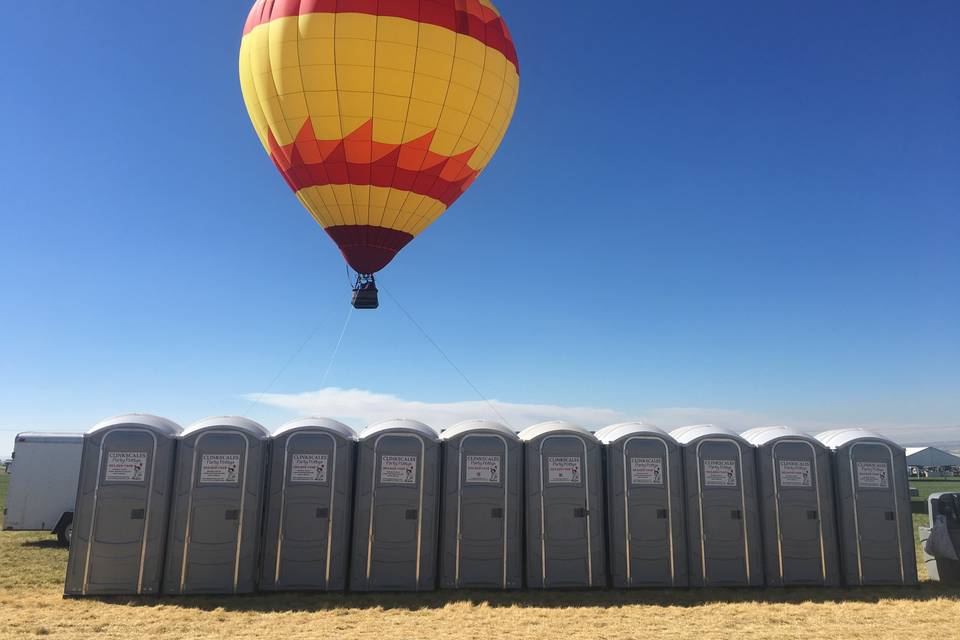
(379,114)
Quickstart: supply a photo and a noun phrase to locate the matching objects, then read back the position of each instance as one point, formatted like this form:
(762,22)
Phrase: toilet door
(565,511)
(396,513)
(722,508)
(876,514)
(115,556)
(649,512)
(798,513)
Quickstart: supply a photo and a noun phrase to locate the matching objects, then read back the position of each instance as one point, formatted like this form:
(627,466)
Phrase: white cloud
(361,407)
(366,407)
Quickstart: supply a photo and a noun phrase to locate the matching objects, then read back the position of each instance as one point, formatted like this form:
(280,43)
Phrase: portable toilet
(795,474)
(873,507)
(482,528)
(123,499)
(395,508)
(723,522)
(564,506)
(645,516)
(306,532)
(213,542)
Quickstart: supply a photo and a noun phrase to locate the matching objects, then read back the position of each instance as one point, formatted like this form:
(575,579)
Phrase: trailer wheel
(64,530)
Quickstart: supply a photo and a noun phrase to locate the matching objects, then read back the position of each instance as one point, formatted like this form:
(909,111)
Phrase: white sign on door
(126,466)
(308,467)
(563,469)
(483,469)
(719,473)
(795,473)
(219,468)
(646,470)
(873,475)
(398,469)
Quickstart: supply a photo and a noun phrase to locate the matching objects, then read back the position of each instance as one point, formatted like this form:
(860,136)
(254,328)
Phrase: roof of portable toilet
(399,425)
(554,426)
(49,436)
(153,423)
(628,429)
(313,424)
(686,435)
(838,438)
(762,435)
(471,426)
(255,429)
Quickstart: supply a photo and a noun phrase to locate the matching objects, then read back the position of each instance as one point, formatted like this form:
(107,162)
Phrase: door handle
(580,513)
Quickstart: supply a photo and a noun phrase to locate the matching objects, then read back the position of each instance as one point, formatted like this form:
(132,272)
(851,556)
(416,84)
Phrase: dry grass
(32,569)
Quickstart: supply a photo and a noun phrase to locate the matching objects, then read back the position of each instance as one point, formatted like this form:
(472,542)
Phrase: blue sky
(743,212)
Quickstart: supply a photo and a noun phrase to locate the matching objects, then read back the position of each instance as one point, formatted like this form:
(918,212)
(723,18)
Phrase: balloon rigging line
(336,349)
(445,356)
(259,397)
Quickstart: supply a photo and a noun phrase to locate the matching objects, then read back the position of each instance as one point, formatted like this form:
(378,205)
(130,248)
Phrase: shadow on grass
(283,602)
(47,543)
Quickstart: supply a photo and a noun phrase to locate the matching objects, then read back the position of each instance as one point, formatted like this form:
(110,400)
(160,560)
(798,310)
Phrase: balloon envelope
(379,114)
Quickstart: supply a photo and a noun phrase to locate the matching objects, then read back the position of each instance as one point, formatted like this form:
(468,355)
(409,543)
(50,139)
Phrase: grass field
(31,582)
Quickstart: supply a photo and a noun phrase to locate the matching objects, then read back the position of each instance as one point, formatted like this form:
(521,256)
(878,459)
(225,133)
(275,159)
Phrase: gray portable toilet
(395,508)
(306,532)
(564,507)
(482,529)
(873,508)
(213,542)
(123,499)
(645,516)
(795,473)
(723,521)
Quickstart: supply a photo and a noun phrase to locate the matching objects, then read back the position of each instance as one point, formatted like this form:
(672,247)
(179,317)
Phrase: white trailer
(43,483)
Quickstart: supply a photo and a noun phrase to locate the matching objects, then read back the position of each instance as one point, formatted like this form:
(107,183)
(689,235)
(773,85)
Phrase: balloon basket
(365,293)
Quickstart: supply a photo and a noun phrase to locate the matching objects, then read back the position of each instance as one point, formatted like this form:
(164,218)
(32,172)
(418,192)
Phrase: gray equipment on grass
(941,541)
